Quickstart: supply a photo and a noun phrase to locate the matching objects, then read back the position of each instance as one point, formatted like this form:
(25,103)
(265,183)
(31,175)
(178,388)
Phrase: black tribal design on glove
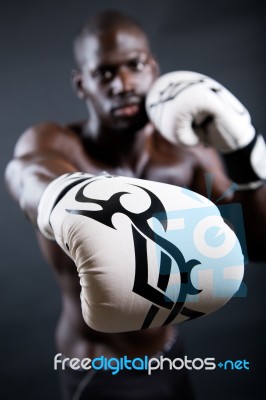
(141,231)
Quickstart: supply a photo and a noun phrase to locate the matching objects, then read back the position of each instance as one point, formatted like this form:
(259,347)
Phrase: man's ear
(76,81)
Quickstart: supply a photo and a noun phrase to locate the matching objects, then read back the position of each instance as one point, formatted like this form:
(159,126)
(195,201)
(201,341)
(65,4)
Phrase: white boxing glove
(188,107)
(148,254)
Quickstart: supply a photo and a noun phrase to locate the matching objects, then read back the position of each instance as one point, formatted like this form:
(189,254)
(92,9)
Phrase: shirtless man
(115,70)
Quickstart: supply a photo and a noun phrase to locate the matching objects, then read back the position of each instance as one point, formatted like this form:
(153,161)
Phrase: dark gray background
(224,40)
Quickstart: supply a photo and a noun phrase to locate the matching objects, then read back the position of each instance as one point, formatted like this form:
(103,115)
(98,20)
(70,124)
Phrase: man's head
(115,70)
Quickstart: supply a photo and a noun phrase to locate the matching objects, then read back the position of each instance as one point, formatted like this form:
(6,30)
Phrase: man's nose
(123,81)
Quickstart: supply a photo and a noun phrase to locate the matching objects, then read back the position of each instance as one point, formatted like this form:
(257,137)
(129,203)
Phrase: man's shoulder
(43,136)
(44,130)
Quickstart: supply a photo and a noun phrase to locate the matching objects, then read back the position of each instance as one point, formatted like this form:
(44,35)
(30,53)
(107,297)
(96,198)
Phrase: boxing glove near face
(187,108)
(147,254)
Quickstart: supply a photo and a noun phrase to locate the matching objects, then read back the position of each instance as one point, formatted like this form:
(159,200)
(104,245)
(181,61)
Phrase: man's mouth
(127,109)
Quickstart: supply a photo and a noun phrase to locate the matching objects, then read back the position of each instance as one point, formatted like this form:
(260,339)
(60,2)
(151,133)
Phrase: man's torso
(157,161)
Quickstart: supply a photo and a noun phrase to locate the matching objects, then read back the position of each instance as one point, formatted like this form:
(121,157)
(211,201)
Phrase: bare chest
(176,170)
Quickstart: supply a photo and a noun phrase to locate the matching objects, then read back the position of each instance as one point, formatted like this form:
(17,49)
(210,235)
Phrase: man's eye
(104,75)
(137,65)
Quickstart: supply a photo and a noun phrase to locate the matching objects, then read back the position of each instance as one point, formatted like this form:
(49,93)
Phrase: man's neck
(119,148)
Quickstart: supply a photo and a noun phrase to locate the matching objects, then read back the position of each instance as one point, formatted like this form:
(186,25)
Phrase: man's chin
(130,123)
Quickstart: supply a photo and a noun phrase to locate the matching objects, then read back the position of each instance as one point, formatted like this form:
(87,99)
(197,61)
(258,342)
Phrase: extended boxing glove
(187,107)
(147,254)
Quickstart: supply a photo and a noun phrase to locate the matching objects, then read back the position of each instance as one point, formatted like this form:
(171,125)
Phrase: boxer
(118,143)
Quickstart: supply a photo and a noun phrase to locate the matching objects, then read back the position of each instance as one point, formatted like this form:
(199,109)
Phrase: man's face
(116,74)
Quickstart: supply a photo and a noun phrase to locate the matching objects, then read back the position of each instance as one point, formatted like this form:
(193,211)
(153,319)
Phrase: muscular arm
(211,172)
(41,155)
(196,109)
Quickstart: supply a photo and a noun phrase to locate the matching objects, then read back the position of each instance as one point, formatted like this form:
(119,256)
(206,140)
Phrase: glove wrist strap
(247,166)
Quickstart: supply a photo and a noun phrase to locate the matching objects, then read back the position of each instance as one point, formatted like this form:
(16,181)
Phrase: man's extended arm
(38,159)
